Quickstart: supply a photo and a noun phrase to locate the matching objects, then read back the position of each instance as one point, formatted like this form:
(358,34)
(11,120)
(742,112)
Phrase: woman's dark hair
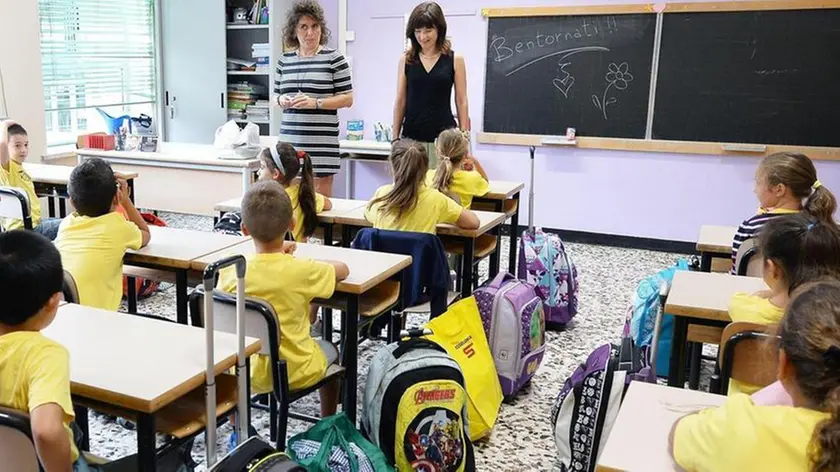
(426,15)
(804,248)
(797,172)
(300,9)
(296,163)
(810,338)
(409,163)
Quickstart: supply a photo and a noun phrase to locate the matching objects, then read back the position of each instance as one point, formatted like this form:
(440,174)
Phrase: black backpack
(254,455)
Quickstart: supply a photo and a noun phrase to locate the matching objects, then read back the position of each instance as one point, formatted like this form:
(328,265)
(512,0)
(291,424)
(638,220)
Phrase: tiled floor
(522,439)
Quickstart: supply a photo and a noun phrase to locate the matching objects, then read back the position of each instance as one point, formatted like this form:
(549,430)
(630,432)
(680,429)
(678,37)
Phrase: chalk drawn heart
(564,85)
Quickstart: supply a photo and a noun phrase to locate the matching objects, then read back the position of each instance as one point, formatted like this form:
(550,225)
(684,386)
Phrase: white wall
(20,65)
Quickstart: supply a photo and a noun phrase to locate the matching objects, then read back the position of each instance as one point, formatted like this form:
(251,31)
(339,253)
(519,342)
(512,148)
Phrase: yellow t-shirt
(740,436)
(466,184)
(289,285)
(432,208)
(753,309)
(35,371)
(293,192)
(92,250)
(18,178)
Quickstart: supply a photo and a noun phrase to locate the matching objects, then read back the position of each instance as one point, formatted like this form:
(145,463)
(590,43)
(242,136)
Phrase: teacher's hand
(303,101)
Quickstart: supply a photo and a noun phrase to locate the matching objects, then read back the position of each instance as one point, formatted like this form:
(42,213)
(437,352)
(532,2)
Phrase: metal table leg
(676,370)
(181,296)
(350,323)
(146,442)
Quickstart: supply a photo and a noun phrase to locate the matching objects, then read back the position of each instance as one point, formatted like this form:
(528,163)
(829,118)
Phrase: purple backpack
(512,315)
(544,262)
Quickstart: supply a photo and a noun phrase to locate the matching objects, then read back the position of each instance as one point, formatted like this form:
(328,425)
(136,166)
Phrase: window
(98,57)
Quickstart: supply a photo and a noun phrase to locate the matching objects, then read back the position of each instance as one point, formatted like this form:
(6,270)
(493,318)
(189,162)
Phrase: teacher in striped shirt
(312,83)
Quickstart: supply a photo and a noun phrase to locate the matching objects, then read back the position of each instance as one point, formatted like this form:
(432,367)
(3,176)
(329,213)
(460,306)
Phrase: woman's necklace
(302,75)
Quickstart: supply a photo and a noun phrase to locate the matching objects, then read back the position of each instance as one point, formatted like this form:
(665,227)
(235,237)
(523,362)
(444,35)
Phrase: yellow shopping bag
(461,333)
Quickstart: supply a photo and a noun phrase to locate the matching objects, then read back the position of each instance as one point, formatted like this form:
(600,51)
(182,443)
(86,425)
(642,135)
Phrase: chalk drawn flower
(619,75)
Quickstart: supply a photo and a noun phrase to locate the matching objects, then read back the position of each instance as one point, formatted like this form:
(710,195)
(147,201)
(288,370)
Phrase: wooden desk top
(135,362)
(367,268)
(339,207)
(176,248)
(639,437)
(488,220)
(502,189)
(707,295)
(716,239)
(177,153)
(57,175)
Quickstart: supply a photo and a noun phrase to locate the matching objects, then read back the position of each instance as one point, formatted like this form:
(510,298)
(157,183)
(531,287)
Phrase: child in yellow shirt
(35,370)
(93,239)
(14,149)
(741,435)
(458,175)
(796,249)
(409,204)
(289,285)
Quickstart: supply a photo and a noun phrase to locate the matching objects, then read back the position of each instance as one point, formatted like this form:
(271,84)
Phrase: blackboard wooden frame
(654,145)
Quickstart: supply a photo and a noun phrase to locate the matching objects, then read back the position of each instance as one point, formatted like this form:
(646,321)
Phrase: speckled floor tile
(522,439)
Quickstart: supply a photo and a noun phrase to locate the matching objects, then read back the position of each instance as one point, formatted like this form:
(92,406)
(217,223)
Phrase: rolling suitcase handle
(241,425)
(532,150)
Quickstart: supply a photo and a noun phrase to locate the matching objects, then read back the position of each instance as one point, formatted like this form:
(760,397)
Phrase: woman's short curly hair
(300,9)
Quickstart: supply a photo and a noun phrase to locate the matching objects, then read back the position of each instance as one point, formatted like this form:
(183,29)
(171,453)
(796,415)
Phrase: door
(194,69)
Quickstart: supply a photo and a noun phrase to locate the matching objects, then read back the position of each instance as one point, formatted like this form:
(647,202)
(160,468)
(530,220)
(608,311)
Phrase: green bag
(333,444)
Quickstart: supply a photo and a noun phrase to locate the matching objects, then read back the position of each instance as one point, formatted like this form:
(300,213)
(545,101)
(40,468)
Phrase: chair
(261,322)
(16,445)
(748,355)
(748,260)
(14,203)
(69,289)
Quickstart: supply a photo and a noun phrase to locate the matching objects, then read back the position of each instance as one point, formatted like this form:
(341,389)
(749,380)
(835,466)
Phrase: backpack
(254,455)
(514,322)
(144,287)
(415,407)
(544,263)
(588,403)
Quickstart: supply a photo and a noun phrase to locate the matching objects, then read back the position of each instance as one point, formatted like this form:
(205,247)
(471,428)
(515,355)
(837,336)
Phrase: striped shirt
(750,228)
(315,131)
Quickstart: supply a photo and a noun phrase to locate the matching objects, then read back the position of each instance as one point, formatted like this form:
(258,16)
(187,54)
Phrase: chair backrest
(14,203)
(16,447)
(69,289)
(749,354)
(748,260)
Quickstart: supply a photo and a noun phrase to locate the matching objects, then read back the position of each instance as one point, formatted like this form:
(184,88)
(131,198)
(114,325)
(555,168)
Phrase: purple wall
(656,195)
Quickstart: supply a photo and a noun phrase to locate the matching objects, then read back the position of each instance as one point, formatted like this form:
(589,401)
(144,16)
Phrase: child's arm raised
(51,439)
(4,143)
(131,211)
(468,220)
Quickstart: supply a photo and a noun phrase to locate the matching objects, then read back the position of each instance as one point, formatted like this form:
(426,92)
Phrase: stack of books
(260,53)
(258,111)
(241,95)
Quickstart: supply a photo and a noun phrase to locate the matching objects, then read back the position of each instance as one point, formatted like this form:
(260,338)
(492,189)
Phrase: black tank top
(428,97)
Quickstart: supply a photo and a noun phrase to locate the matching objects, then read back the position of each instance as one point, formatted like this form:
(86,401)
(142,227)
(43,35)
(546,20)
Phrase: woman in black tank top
(428,72)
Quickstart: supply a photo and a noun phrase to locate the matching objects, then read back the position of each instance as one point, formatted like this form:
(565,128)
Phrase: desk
(173,250)
(714,241)
(367,270)
(200,177)
(51,181)
(503,197)
(137,364)
(639,437)
(700,298)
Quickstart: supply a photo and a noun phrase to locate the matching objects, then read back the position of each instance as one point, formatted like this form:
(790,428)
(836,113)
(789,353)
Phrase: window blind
(96,54)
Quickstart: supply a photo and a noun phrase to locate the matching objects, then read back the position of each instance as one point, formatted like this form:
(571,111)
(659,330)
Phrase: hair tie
(275,156)
(810,225)
(817,184)
(831,356)
(445,158)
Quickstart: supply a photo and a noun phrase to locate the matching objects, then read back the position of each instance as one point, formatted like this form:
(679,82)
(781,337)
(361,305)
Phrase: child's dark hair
(294,164)
(810,338)
(92,187)
(409,163)
(797,172)
(16,130)
(266,211)
(30,273)
(804,248)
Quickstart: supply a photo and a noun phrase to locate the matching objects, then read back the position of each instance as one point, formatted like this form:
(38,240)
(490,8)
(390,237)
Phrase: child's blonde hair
(451,147)
(409,163)
(797,172)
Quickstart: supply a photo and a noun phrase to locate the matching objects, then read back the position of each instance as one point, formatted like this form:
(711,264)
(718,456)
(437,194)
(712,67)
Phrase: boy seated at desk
(93,240)
(35,370)
(289,285)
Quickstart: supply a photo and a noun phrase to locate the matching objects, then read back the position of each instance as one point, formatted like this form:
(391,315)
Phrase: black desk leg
(676,369)
(181,295)
(328,234)
(346,233)
(705,262)
(131,190)
(131,294)
(495,258)
(467,267)
(514,232)
(350,355)
(62,208)
(82,422)
(694,366)
(146,442)
(51,206)
(326,324)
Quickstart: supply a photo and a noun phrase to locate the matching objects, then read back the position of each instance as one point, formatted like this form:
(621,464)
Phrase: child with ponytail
(453,176)
(785,183)
(742,435)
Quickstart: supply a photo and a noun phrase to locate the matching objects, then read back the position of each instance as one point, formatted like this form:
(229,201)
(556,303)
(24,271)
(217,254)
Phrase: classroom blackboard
(766,77)
(547,73)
